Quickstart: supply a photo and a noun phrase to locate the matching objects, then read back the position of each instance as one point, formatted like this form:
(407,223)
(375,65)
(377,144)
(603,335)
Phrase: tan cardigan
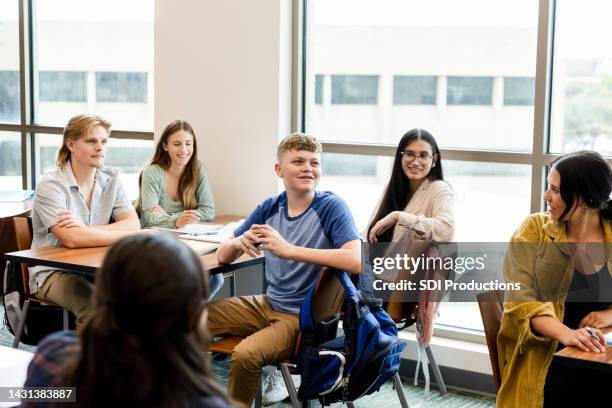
(545,271)
(429,211)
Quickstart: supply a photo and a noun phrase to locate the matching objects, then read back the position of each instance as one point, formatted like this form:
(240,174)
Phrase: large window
(394,65)
(466,72)
(95,56)
(582,77)
(88,56)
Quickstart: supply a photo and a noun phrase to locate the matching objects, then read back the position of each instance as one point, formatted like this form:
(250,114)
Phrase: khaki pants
(271,338)
(70,291)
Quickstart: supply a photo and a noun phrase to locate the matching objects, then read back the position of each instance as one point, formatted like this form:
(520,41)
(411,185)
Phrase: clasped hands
(187,217)
(263,238)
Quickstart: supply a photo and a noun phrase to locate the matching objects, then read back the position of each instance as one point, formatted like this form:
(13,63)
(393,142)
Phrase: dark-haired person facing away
(568,279)
(416,197)
(142,346)
(74,207)
(174,188)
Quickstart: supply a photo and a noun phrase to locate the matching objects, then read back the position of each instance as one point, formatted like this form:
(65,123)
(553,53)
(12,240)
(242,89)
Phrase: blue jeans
(215,284)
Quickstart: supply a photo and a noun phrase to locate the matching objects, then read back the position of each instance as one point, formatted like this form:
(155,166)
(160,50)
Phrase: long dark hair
(587,175)
(142,347)
(398,194)
(189,179)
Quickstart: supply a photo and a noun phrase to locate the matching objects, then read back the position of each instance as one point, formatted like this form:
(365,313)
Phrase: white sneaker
(274,387)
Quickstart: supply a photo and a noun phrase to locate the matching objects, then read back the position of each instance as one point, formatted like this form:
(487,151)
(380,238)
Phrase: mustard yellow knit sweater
(544,271)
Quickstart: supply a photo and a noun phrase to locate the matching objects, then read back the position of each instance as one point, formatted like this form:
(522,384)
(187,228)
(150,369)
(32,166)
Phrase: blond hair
(298,141)
(77,127)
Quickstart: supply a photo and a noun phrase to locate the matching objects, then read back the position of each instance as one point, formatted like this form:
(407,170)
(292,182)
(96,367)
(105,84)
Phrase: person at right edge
(562,260)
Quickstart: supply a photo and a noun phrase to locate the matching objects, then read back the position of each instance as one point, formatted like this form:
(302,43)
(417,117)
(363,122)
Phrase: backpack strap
(307,324)
(349,287)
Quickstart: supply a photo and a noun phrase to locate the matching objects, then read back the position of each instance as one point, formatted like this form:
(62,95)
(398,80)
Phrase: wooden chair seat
(23,238)
(225,345)
(491,305)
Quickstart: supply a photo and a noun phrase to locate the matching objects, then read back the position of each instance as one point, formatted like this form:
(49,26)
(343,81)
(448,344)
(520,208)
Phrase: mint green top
(153,192)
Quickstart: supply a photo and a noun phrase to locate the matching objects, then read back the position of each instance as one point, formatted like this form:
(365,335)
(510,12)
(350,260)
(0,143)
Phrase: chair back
(328,296)
(398,308)
(23,237)
(327,300)
(491,306)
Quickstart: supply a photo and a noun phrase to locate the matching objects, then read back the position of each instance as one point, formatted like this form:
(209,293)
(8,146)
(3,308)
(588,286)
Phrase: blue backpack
(350,366)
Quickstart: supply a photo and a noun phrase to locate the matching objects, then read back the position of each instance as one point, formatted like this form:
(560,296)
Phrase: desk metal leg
(436,370)
(233,285)
(258,397)
(24,315)
(400,391)
(264,283)
(65,318)
(293,396)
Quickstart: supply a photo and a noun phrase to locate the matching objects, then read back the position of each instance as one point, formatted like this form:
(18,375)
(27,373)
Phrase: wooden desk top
(13,209)
(88,260)
(576,353)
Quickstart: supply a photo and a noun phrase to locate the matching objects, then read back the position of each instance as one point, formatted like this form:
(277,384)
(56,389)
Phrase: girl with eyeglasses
(417,198)
(417,195)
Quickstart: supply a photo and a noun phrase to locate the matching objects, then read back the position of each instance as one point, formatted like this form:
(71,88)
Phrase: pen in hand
(592,333)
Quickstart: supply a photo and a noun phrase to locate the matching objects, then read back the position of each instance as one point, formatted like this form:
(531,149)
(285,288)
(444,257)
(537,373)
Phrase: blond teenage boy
(74,207)
(299,231)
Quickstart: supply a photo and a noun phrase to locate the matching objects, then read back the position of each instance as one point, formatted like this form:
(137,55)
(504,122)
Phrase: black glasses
(411,156)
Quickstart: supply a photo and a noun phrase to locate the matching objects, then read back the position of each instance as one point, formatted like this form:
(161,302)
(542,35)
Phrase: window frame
(538,158)
(27,126)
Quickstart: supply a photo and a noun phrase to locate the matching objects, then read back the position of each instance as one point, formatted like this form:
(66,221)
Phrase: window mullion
(25,92)
(541,119)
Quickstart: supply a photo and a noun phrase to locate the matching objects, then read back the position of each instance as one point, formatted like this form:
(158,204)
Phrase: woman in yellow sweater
(566,285)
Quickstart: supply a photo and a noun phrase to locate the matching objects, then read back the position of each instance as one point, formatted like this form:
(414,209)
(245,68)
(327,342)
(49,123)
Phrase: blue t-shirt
(326,224)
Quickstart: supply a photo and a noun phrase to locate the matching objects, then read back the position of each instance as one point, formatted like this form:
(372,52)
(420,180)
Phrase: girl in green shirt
(174,189)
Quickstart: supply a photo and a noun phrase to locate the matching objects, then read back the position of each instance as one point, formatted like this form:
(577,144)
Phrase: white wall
(224,66)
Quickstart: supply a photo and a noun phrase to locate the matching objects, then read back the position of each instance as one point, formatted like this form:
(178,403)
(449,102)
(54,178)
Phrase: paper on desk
(199,247)
(217,236)
(16,196)
(194,228)
(608,337)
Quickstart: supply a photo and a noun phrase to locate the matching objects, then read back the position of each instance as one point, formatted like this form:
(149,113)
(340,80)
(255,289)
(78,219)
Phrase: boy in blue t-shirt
(299,231)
